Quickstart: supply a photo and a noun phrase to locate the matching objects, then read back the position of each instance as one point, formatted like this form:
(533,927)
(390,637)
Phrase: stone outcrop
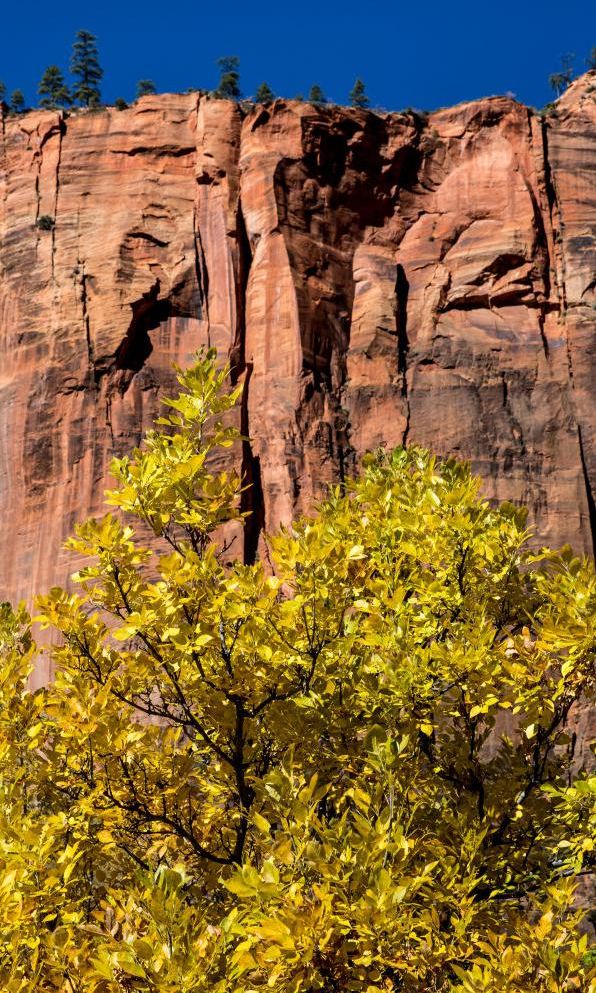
(374,278)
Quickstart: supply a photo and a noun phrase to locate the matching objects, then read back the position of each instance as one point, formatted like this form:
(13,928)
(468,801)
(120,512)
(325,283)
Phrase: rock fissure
(559,261)
(85,315)
(170,151)
(37,205)
(109,423)
(542,326)
(61,133)
(403,343)
(251,498)
(554,217)
(151,239)
(201,271)
(4,183)
(244,253)
(590,501)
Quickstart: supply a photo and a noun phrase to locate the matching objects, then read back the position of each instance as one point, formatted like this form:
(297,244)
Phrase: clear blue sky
(422,54)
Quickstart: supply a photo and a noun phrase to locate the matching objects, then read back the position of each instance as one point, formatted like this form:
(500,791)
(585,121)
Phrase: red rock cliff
(376,279)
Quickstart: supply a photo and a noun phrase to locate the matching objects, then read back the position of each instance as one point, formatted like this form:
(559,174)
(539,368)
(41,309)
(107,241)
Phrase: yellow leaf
(261,823)
(356,552)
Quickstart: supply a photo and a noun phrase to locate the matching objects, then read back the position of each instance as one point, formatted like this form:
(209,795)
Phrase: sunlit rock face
(375,279)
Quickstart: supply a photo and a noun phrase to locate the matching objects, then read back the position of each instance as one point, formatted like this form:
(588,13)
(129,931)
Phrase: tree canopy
(86,69)
(229,78)
(17,101)
(350,768)
(559,81)
(53,90)
(316,94)
(358,97)
(145,87)
(264,94)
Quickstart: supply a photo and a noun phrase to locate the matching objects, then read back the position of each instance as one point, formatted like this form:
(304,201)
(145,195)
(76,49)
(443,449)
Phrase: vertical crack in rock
(554,213)
(541,325)
(201,271)
(541,245)
(554,210)
(109,424)
(251,500)
(589,493)
(53,129)
(402,289)
(516,426)
(4,184)
(244,256)
(37,207)
(61,133)
(4,157)
(86,321)
(39,157)
(4,152)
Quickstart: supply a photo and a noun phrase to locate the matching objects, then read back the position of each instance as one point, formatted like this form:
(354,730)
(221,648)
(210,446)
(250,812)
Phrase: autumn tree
(352,769)
(358,97)
(53,90)
(86,69)
(229,79)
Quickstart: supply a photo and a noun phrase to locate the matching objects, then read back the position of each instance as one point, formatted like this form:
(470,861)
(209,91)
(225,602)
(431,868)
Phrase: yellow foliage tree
(350,771)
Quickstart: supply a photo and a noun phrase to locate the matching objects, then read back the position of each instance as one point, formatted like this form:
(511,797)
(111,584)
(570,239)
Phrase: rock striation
(375,278)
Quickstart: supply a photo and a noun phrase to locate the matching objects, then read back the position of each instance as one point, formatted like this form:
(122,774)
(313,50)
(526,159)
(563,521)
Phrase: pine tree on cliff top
(316,94)
(85,67)
(264,94)
(358,97)
(229,80)
(145,88)
(17,102)
(2,91)
(53,90)
(560,81)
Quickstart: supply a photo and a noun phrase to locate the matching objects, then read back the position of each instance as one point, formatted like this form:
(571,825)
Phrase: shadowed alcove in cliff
(147,315)
(352,174)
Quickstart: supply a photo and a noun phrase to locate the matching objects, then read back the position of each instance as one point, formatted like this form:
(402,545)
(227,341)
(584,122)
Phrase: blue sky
(419,54)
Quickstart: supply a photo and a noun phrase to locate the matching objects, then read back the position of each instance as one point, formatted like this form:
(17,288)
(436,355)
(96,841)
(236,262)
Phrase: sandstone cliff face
(375,279)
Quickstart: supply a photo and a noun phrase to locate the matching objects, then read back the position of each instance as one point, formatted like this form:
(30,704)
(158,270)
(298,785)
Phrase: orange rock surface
(375,279)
